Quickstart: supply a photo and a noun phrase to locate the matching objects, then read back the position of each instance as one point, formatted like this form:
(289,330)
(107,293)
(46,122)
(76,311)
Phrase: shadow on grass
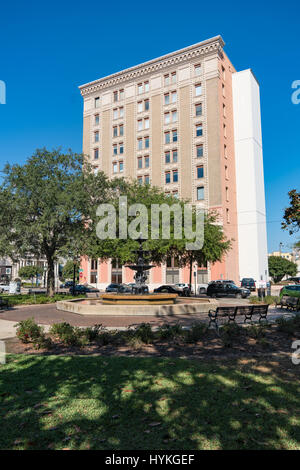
(122,403)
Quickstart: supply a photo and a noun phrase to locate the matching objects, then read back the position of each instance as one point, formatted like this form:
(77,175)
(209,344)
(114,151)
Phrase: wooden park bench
(230,312)
(293,303)
(3,303)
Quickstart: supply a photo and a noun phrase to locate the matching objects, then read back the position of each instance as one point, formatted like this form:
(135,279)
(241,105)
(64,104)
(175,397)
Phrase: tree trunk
(50,277)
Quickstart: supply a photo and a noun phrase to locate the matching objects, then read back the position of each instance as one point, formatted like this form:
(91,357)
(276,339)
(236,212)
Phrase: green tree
(215,243)
(280,267)
(68,270)
(48,206)
(292,213)
(30,272)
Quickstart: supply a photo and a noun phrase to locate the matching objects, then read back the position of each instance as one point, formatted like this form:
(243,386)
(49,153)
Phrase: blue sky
(49,48)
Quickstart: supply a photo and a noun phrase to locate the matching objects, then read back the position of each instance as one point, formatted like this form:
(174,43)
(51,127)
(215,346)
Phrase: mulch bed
(274,343)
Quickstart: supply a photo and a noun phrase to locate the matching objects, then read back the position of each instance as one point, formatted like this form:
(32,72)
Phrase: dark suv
(248,283)
(226,289)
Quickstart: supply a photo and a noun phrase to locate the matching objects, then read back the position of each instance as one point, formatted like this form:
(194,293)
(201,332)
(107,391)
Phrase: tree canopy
(280,267)
(292,213)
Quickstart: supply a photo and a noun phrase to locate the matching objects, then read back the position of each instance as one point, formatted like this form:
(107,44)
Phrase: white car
(4,288)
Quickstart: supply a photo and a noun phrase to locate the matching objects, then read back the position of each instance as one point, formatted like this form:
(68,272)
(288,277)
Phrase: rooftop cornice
(214,44)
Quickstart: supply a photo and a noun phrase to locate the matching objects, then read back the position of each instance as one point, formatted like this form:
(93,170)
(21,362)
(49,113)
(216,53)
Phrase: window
(167,157)
(175,194)
(96,154)
(197,69)
(147,142)
(224,110)
(140,163)
(174,96)
(115,131)
(174,156)
(199,130)
(121,112)
(226,172)
(93,278)
(121,130)
(140,106)
(143,88)
(146,123)
(115,167)
(167,118)
(147,105)
(115,113)
(223,73)
(140,179)
(168,177)
(167,80)
(121,166)
(227,216)
(140,144)
(198,89)
(223,90)
(200,193)
(225,151)
(97,120)
(97,102)
(121,148)
(115,149)
(175,176)
(227,194)
(121,94)
(198,108)
(225,130)
(173,77)
(143,124)
(174,116)
(147,161)
(94,265)
(167,98)
(115,96)
(140,125)
(147,179)
(167,137)
(199,150)
(96,137)
(200,171)
(174,135)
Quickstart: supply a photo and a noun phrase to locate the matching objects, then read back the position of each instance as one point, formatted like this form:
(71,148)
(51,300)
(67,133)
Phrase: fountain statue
(141,268)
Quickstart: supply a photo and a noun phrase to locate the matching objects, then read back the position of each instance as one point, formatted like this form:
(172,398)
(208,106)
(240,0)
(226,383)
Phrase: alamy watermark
(296,94)
(2,352)
(186,222)
(296,354)
(2,92)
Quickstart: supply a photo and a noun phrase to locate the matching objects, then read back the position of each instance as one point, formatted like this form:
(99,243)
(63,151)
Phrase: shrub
(42,342)
(269,299)
(290,325)
(92,333)
(257,331)
(167,331)
(61,329)
(68,334)
(135,342)
(144,333)
(229,333)
(196,332)
(28,331)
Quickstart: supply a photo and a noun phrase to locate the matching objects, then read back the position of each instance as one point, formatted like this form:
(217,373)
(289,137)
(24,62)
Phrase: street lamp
(280,248)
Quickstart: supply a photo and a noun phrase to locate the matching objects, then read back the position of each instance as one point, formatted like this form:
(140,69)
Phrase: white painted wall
(251,211)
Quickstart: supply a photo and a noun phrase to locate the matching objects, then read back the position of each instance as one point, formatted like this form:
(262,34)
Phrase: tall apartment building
(189,123)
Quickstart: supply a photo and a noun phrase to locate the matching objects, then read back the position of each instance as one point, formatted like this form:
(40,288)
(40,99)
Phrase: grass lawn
(119,403)
(31,299)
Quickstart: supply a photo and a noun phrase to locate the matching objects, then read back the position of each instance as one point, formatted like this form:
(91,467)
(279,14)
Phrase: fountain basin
(136,299)
(183,306)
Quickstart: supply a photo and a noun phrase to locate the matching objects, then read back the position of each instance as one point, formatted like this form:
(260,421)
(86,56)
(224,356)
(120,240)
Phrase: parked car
(123,288)
(4,288)
(295,280)
(226,289)
(291,291)
(81,289)
(66,284)
(184,285)
(172,290)
(248,283)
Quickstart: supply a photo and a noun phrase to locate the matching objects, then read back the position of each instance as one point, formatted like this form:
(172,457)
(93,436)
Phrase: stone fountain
(141,268)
